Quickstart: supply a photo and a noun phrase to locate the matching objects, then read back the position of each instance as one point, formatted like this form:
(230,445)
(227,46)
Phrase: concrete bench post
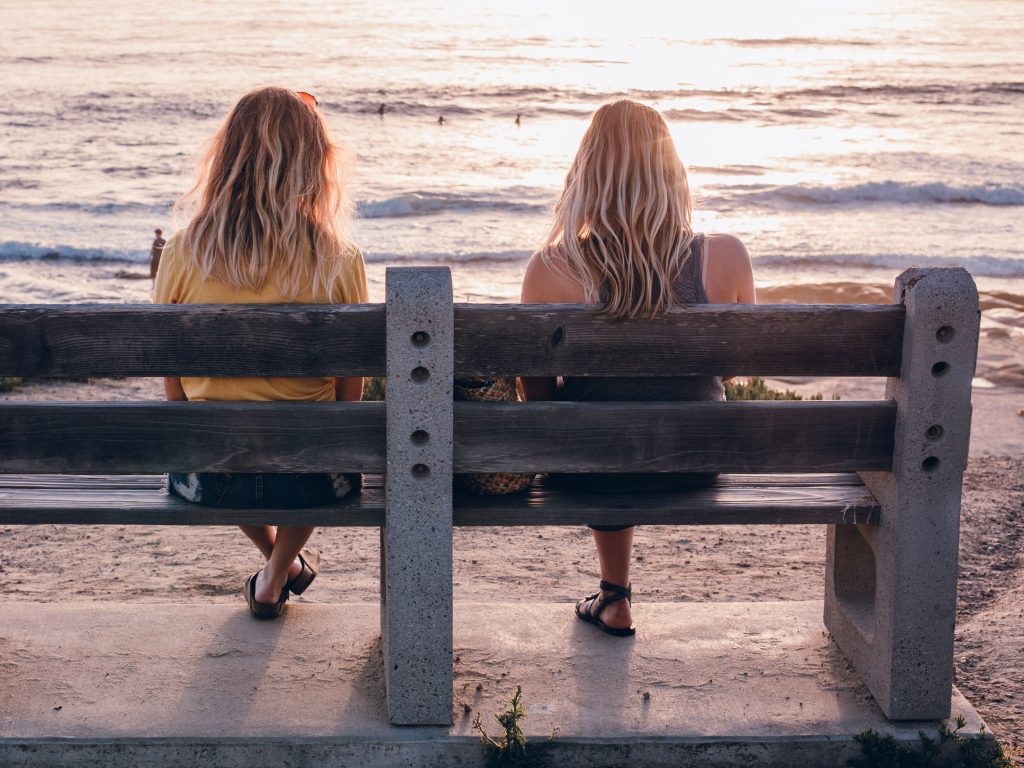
(416,540)
(890,593)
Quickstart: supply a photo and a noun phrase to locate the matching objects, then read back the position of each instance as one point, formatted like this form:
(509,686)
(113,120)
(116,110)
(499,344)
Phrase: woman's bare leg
(614,552)
(288,542)
(264,537)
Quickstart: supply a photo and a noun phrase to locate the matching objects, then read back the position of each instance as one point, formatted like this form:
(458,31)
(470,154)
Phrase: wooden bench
(885,476)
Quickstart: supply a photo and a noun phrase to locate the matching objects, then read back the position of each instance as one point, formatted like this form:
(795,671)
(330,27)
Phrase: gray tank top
(689,289)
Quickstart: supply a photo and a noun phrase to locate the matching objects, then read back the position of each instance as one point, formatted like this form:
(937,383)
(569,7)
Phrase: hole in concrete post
(557,336)
(419,437)
(940,369)
(930,464)
(934,432)
(944,334)
(420,470)
(420,374)
(420,339)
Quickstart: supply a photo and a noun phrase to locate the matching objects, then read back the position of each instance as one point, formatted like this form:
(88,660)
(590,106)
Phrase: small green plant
(7,383)
(754,388)
(510,749)
(884,752)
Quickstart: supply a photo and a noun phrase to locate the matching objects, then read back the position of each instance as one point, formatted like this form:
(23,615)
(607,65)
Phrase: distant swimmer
(518,120)
(156,252)
(440,119)
(381,109)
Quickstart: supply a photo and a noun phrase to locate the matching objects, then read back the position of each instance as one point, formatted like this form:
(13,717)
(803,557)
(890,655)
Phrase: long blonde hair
(622,224)
(269,199)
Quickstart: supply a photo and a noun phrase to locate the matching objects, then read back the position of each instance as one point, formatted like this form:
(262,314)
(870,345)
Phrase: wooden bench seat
(840,499)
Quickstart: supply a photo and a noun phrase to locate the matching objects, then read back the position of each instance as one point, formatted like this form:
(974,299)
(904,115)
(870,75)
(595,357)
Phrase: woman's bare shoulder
(730,274)
(546,280)
(727,248)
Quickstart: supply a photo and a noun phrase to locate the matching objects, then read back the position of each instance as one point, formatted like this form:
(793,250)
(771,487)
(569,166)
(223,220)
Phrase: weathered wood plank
(195,340)
(540,437)
(272,340)
(214,437)
(370,480)
(736,499)
(154,506)
(674,436)
(768,340)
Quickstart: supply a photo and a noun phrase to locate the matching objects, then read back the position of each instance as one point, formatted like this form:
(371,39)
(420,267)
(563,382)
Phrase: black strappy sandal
(597,606)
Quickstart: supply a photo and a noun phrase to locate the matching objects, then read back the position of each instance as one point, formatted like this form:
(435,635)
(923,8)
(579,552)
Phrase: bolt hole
(934,432)
(944,334)
(420,470)
(930,464)
(557,336)
(420,374)
(420,339)
(419,437)
(940,369)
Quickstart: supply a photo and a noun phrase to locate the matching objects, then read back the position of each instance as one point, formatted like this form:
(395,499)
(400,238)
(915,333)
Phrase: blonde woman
(266,226)
(622,239)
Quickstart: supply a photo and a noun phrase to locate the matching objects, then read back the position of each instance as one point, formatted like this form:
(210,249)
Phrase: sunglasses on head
(309,98)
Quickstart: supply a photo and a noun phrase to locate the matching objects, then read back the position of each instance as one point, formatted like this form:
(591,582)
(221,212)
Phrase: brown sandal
(310,559)
(263,610)
(591,615)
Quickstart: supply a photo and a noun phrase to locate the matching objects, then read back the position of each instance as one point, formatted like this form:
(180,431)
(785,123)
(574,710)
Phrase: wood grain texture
(195,340)
(501,339)
(538,437)
(180,436)
(767,340)
(674,436)
(736,499)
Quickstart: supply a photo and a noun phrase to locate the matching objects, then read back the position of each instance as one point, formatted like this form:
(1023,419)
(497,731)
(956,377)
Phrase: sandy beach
(167,564)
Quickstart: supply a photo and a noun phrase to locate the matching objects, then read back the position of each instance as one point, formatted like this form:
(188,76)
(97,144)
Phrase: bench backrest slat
(663,437)
(539,437)
(804,340)
(195,340)
(217,437)
(269,340)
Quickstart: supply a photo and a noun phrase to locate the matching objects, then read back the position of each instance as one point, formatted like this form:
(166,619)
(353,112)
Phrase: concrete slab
(144,684)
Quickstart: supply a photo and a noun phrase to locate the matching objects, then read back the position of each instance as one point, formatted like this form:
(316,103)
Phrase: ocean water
(842,141)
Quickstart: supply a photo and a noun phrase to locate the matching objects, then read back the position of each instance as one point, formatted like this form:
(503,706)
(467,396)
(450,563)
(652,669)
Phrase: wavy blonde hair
(622,225)
(269,199)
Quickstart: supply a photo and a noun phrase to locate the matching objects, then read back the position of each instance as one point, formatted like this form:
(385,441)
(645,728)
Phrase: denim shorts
(262,489)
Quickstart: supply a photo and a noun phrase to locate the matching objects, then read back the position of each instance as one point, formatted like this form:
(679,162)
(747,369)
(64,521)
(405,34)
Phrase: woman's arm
(542,285)
(348,388)
(730,274)
(173,388)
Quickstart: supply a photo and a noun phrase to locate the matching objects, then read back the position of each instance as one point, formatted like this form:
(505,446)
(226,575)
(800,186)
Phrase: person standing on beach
(622,240)
(155,252)
(267,226)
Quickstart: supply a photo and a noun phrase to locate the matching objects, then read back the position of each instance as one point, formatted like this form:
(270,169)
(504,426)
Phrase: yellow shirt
(174,285)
